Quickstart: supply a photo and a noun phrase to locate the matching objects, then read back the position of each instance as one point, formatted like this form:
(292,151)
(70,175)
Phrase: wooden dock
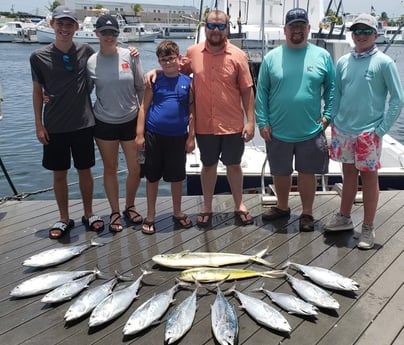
(373,315)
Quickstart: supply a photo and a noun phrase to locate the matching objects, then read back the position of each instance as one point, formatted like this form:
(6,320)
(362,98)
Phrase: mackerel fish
(214,274)
(55,256)
(116,303)
(88,300)
(324,277)
(188,259)
(312,293)
(290,303)
(180,320)
(46,282)
(224,320)
(70,289)
(150,311)
(262,312)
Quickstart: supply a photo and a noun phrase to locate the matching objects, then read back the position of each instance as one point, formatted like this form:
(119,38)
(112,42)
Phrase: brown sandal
(244,217)
(136,218)
(113,225)
(183,222)
(148,227)
(204,223)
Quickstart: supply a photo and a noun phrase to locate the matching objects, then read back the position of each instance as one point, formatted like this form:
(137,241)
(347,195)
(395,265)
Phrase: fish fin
(94,243)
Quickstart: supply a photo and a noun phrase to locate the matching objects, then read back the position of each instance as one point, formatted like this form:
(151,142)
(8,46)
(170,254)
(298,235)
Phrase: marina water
(20,151)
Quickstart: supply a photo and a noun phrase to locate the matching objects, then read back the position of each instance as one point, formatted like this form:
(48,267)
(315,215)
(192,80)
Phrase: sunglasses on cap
(68,64)
(109,32)
(366,32)
(213,26)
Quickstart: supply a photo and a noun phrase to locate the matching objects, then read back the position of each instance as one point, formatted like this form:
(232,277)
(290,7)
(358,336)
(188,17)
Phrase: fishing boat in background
(9,31)
(177,31)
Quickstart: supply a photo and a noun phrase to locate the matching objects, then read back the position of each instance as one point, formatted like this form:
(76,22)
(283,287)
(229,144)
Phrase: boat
(256,39)
(132,30)
(8,32)
(177,31)
(393,34)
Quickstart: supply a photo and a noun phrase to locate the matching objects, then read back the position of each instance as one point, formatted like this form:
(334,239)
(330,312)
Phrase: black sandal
(136,219)
(62,227)
(202,223)
(114,222)
(149,227)
(90,221)
(182,222)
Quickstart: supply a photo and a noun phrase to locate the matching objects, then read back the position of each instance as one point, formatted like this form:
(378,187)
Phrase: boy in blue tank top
(162,131)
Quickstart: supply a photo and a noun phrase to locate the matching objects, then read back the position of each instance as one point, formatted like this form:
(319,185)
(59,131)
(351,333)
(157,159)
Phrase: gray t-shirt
(63,77)
(118,80)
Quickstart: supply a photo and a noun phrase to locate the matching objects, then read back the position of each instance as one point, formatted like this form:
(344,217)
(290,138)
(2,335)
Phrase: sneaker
(339,223)
(367,237)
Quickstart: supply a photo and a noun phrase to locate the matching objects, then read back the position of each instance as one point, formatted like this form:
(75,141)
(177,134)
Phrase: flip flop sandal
(114,226)
(244,217)
(202,223)
(62,227)
(148,227)
(89,223)
(182,222)
(136,219)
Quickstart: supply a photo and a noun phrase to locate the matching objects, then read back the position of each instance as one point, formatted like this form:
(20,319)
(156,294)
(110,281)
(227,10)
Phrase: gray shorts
(311,156)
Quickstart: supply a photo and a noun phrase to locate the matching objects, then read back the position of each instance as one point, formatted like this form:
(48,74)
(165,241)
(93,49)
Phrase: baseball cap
(107,22)
(64,12)
(296,15)
(365,19)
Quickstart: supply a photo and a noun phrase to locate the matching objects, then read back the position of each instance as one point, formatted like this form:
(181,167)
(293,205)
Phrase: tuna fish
(115,303)
(55,256)
(325,278)
(290,303)
(46,282)
(187,259)
(262,312)
(150,311)
(180,320)
(312,293)
(88,300)
(224,320)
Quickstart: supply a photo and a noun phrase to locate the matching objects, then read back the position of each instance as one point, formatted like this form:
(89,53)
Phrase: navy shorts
(62,147)
(165,157)
(228,148)
(311,156)
(115,131)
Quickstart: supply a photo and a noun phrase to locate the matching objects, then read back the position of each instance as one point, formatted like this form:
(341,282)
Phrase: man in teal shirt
(293,80)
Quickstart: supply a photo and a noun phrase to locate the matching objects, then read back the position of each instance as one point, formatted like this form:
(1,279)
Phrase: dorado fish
(55,256)
(213,274)
(324,277)
(262,312)
(116,303)
(290,303)
(70,289)
(45,282)
(224,320)
(312,293)
(187,259)
(87,301)
(180,320)
(150,311)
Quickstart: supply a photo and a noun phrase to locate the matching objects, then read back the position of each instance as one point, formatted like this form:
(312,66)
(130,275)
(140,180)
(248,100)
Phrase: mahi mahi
(55,256)
(214,274)
(188,259)
(46,282)
(324,277)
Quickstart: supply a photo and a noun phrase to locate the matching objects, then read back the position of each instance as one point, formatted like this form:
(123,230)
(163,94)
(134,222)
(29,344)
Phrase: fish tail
(264,262)
(261,288)
(286,264)
(274,274)
(145,272)
(94,243)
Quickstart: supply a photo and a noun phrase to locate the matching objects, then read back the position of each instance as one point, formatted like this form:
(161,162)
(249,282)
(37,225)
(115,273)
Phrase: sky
(393,8)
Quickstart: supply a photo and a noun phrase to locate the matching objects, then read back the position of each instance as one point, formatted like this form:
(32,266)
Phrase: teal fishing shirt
(361,90)
(291,86)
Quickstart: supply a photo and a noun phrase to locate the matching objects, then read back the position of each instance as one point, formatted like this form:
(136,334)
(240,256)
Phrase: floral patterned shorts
(363,150)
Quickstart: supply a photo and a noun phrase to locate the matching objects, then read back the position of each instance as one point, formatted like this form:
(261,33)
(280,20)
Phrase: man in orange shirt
(223,93)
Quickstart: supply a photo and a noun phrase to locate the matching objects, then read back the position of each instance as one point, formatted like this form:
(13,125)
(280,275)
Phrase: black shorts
(62,147)
(165,157)
(111,131)
(229,148)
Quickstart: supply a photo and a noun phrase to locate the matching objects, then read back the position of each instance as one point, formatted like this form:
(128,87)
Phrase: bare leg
(176,192)
(370,191)
(208,182)
(133,178)
(235,178)
(282,188)
(350,187)
(307,190)
(151,192)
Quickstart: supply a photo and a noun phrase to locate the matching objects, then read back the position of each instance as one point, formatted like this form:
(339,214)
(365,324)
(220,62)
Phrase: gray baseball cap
(64,12)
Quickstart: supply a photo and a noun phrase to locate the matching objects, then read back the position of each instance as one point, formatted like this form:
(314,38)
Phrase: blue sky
(393,8)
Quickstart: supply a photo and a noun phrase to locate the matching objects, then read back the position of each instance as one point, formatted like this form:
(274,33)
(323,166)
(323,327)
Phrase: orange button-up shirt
(218,78)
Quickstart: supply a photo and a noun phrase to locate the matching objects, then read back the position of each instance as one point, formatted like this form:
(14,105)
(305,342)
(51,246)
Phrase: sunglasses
(168,59)
(366,32)
(213,26)
(109,32)
(68,63)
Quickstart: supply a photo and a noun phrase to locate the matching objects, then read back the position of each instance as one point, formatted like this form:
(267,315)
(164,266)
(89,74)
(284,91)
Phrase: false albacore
(324,277)
(188,259)
(262,312)
(55,256)
(46,282)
